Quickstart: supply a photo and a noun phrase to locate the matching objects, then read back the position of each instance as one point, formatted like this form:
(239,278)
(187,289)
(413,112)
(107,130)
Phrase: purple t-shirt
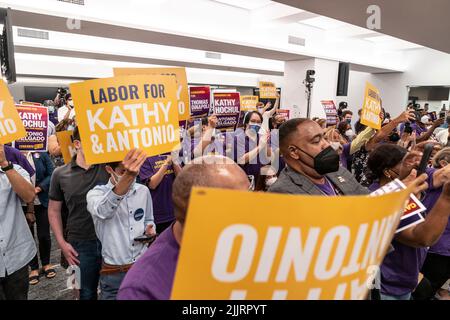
(242,145)
(327,188)
(13,155)
(216,147)
(162,194)
(400,268)
(151,277)
(419,130)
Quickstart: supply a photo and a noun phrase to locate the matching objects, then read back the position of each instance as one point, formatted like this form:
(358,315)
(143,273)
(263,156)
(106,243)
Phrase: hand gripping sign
(181,87)
(11,126)
(115,115)
(316,248)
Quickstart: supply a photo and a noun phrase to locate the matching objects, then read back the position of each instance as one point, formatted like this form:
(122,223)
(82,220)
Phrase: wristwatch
(8,167)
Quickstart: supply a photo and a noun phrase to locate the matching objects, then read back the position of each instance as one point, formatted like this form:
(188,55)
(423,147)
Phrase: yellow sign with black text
(182,84)
(115,115)
(317,247)
(371,114)
(248,103)
(11,125)
(267,90)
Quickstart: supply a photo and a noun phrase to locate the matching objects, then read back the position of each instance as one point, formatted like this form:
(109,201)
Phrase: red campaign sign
(330,111)
(284,113)
(227,107)
(200,101)
(35,121)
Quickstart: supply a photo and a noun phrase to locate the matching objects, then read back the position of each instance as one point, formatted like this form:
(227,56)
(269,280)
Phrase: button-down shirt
(17,246)
(118,220)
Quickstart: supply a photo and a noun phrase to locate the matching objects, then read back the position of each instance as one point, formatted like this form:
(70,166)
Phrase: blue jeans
(90,256)
(406,296)
(110,284)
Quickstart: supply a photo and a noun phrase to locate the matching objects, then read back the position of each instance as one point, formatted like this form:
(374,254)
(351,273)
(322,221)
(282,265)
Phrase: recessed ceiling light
(323,23)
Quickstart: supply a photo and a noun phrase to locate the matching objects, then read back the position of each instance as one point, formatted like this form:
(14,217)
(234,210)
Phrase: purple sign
(35,120)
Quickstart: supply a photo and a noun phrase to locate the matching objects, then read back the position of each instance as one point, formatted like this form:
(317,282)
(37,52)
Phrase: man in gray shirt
(17,246)
(312,165)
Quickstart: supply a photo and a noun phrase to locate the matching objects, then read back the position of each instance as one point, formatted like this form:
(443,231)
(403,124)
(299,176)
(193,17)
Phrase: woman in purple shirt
(437,263)
(252,147)
(158,173)
(400,268)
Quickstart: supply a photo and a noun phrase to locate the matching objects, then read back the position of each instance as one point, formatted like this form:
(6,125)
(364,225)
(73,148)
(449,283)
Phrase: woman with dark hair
(251,146)
(400,268)
(384,164)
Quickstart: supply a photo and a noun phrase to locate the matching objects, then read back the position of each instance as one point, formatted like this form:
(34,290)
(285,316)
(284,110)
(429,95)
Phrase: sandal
(33,280)
(50,273)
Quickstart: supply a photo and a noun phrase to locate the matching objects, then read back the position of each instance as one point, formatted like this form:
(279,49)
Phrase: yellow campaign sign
(248,103)
(267,90)
(115,115)
(66,145)
(11,126)
(182,84)
(371,110)
(316,248)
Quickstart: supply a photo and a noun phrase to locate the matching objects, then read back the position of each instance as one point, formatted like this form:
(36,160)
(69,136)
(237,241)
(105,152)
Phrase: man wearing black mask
(312,164)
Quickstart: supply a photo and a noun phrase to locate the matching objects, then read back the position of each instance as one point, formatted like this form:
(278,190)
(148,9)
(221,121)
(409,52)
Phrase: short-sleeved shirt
(151,277)
(400,268)
(162,194)
(14,156)
(70,184)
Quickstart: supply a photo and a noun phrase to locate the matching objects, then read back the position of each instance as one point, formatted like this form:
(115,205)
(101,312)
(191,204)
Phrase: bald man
(312,164)
(151,277)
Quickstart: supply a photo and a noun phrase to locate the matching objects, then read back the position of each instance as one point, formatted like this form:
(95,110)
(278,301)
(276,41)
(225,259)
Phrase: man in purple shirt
(158,173)
(151,277)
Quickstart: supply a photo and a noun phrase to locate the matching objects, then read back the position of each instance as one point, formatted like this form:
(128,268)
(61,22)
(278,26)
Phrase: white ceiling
(252,35)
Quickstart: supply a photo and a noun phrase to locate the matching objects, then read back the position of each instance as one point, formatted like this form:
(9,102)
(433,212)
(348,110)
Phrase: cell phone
(145,238)
(425,158)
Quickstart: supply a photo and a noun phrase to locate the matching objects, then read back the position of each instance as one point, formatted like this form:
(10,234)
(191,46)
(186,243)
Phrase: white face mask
(71,103)
(271,181)
(335,145)
(349,133)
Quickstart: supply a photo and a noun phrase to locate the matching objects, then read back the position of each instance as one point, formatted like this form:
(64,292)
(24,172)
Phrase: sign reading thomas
(330,254)
(118,114)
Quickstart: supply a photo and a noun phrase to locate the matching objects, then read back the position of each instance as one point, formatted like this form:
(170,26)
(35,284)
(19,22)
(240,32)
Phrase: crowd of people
(122,223)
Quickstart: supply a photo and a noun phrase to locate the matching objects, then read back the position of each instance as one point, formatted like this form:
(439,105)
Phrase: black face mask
(326,161)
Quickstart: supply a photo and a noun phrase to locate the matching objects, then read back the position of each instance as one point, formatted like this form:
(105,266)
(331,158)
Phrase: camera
(310,76)
(62,92)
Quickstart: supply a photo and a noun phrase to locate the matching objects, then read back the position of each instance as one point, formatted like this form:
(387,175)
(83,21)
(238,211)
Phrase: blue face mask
(349,121)
(255,127)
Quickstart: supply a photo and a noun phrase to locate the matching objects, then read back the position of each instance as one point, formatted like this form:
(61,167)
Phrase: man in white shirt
(17,246)
(67,111)
(443,135)
(122,211)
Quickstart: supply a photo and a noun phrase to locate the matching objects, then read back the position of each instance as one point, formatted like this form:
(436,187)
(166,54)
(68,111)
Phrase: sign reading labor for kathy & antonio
(412,213)
(181,79)
(330,254)
(66,144)
(371,114)
(200,98)
(11,126)
(227,107)
(35,121)
(126,112)
(248,103)
(267,90)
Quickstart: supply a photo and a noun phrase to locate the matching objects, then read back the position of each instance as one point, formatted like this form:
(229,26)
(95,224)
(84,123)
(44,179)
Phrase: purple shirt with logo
(151,277)
(162,194)
(400,268)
